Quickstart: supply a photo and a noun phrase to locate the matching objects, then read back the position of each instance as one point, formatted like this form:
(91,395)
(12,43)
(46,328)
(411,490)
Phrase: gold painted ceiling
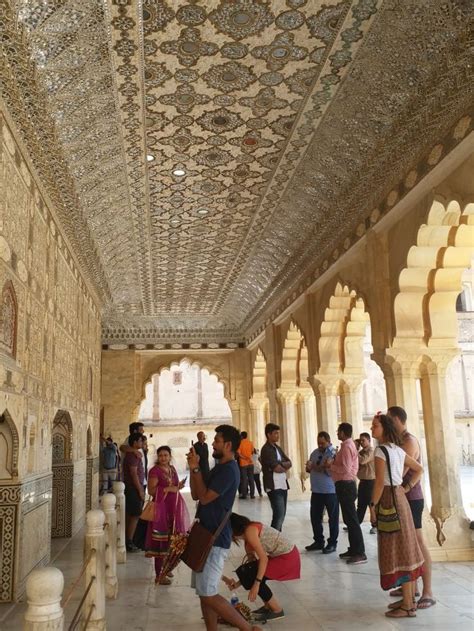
(204,155)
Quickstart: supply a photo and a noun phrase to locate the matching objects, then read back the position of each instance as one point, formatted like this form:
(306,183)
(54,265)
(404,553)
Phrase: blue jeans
(319,502)
(278,500)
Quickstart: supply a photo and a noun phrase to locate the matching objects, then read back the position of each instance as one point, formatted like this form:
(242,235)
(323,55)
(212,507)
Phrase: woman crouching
(271,557)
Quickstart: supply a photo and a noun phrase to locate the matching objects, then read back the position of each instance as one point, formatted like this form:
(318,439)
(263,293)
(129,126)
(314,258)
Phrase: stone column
(111,583)
(94,543)
(199,413)
(44,588)
(156,398)
(290,442)
(400,376)
(327,406)
(309,423)
(452,525)
(119,492)
(351,401)
(257,411)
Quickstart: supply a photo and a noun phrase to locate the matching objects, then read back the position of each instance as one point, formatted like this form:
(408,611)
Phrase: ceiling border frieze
(124,18)
(25,105)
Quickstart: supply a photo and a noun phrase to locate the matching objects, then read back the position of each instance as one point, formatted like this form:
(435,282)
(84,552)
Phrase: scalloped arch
(192,362)
(343,331)
(425,307)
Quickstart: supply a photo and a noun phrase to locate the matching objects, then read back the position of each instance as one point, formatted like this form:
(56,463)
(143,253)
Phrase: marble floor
(330,595)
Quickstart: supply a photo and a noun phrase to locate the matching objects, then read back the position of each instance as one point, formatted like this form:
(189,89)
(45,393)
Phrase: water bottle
(234,599)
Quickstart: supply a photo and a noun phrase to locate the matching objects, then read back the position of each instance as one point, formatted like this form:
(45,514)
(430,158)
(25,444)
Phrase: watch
(196,470)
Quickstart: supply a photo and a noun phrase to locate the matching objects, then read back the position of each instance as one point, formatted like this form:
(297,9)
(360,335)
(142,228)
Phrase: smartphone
(184,480)
(192,443)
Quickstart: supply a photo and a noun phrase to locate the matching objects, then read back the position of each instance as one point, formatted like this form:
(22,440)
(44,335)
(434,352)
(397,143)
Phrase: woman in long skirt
(400,558)
(171,514)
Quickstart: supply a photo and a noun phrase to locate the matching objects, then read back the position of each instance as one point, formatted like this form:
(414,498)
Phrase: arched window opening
(185,393)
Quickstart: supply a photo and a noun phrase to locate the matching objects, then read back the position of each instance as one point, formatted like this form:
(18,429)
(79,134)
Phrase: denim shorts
(206,583)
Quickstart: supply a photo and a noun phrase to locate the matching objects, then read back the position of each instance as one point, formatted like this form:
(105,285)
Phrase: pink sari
(171,515)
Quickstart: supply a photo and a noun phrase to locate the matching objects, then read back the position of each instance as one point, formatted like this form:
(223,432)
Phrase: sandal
(426,602)
(396,593)
(401,612)
(399,603)
(163,581)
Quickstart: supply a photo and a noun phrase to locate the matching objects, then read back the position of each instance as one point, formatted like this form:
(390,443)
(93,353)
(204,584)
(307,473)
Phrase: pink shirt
(346,463)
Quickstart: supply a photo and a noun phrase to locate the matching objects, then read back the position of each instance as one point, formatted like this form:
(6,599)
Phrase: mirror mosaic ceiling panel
(205,154)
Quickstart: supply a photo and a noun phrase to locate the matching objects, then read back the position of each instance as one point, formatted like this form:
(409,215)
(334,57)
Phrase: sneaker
(314,546)
(373,530)
(260,611)
(346,555)
(131,547)
(358,559)
(272,615)
(328,549)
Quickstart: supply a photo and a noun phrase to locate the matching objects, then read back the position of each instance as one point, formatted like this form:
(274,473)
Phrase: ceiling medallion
(220,120)
(189,47)
(184,98)
(156,15)
(264,101)
(191,15)
(213,157)
(280,52)
(290,20)
(229,77)
(241,18)
(271,78)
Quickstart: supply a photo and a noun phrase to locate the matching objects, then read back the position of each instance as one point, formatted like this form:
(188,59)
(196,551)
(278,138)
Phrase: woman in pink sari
(171,514)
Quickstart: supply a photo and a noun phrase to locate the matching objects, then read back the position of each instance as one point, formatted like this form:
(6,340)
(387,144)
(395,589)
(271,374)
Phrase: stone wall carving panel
(62,498)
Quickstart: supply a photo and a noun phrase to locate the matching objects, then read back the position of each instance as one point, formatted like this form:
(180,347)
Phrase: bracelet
(258,580)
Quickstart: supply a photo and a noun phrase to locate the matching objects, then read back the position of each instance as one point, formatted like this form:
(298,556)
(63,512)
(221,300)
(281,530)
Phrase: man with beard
(216,498)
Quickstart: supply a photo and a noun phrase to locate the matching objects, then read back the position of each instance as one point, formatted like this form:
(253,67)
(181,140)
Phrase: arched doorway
(182,398)
(63,473)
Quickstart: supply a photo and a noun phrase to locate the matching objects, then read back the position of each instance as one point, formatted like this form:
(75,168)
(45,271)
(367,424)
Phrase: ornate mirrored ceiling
(203,155)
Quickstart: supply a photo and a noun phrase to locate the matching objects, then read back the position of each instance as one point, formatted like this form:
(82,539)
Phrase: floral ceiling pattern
(204,155)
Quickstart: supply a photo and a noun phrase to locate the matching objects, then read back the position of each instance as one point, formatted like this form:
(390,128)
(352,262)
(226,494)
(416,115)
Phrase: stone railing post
(111,583)
(94,546)
(119,492)
(44,588)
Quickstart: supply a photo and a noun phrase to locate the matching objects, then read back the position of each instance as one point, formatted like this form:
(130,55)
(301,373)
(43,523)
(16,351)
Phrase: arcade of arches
(379,312)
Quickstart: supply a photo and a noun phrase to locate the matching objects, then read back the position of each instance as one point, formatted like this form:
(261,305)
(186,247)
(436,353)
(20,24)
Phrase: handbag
(388,520)
(148,512)
(199,544)
(246,573)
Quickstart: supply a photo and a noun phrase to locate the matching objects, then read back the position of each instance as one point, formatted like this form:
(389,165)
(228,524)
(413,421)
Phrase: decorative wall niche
(8,319)
(9,445)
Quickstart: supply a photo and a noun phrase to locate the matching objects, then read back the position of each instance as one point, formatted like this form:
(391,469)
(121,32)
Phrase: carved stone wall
(49,361)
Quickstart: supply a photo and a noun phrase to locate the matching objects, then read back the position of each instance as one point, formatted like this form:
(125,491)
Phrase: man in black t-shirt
(202,451)
(216,498)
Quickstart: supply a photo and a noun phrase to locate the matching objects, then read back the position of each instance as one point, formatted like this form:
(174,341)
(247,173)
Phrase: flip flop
(396,593)
(425,602)
(401,612)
